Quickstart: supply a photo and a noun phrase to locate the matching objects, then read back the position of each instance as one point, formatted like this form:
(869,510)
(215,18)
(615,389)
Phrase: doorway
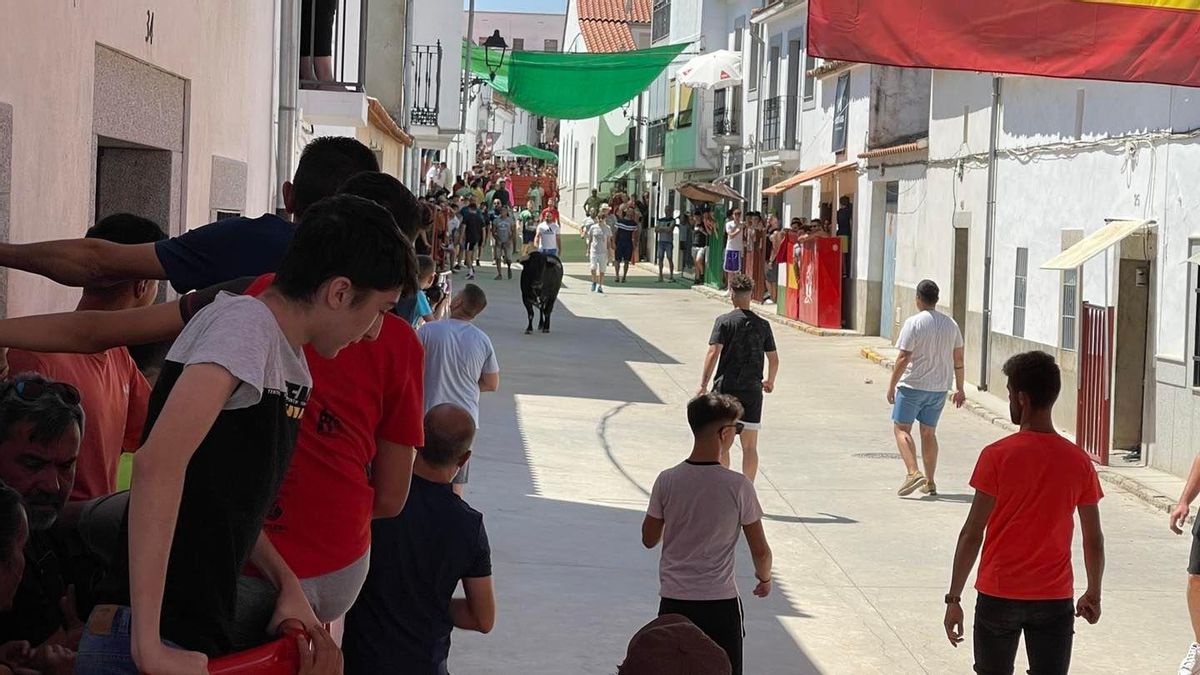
(958,302)
(887,300)
(1132,327)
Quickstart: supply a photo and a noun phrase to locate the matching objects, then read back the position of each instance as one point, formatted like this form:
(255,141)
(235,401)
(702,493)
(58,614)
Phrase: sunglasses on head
(32,390)
(737,427)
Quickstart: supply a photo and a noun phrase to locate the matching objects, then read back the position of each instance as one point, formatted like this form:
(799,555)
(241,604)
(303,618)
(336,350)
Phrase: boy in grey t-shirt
(703,507)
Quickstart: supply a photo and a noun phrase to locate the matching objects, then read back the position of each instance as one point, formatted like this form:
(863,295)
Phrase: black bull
(541,277)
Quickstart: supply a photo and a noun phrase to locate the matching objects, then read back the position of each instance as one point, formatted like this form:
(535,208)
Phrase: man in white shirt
(733,244)
(600,243)
(931,357)
(547,237)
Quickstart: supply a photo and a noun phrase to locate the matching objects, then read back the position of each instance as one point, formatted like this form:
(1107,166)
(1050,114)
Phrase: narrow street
(588,415)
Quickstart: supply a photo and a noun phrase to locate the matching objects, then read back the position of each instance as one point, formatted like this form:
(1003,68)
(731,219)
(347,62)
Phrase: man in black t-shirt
(406,611)
(741,339)
(472,224)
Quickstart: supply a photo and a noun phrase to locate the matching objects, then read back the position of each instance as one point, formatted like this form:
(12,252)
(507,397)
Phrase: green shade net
(530,151)
(573,86)
(479,66)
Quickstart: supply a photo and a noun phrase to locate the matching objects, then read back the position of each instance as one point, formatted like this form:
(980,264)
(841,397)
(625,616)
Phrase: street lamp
(491,46)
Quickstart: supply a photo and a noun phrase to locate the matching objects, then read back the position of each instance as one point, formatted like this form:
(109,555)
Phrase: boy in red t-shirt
(1028,488)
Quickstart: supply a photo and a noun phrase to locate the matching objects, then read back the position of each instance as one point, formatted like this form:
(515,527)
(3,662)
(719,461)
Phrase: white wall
(225,51)
(433,21)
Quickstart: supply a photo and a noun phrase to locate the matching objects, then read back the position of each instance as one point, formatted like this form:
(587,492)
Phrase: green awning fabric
(622,171)
(530,151)
(572,86)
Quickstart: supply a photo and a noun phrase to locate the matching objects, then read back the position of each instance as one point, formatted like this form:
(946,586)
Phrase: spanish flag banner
(1120,40)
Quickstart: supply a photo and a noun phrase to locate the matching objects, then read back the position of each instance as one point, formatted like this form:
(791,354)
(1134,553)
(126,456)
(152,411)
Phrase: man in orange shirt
(1028,488)
(114,393)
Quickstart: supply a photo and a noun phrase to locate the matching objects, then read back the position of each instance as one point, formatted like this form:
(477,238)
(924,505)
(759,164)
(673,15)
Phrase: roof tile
(602,37)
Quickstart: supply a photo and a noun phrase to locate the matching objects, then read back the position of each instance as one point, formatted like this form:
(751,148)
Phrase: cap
(673,645)
(928,291)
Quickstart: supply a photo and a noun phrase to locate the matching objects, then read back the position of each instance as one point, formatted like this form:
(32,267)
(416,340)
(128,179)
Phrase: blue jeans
(106,646)
(914,404)
(550,251)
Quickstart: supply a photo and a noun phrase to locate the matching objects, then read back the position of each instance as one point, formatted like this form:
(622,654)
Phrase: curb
(771,315)
(1128,484)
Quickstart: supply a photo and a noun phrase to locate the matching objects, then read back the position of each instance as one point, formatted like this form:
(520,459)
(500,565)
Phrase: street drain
(876,455)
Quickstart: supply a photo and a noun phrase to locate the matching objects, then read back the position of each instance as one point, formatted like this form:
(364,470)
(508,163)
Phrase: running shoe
(1190,663)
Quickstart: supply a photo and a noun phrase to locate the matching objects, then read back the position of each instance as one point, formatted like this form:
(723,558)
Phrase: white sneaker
(1191,661)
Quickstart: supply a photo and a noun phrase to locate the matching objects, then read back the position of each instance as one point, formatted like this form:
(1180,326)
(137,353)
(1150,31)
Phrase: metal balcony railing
(727,112)
(656,138)
(333,44)
(776,112)
(660,20)
(427,84)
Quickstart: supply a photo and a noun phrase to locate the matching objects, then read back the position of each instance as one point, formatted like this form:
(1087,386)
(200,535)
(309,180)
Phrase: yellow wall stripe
(1193,5)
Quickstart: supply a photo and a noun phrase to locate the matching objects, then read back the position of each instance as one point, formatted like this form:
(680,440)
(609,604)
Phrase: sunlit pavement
(588,415)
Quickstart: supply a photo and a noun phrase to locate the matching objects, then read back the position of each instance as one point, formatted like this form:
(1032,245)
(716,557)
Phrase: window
(739,27)
(660,20)
(810,82)
(841,112)
(1070,307)
(1020,282)
(220,214)
(755,57)
(518,44)
(550,45)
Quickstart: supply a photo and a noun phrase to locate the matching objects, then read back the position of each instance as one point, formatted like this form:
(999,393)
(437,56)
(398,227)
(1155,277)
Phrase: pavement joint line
(1128,484)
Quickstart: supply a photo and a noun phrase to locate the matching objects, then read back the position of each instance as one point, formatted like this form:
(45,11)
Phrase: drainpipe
(289,93)
(410,163)
(989,234)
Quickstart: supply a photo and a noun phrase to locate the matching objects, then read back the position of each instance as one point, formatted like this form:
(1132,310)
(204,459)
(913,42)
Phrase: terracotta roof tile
(602,37)
(615,10)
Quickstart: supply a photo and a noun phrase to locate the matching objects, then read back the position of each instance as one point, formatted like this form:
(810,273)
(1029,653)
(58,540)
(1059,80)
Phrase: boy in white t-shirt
(733,244)
(599,241)
(703,507)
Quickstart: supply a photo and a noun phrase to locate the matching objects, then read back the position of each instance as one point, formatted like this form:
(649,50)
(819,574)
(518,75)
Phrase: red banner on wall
(1122,40)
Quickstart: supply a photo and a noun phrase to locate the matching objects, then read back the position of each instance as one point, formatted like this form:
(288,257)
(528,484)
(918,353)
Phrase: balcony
(427,85)
(727,112)
(660,21)
(333,50)
(656,138)
(778,133)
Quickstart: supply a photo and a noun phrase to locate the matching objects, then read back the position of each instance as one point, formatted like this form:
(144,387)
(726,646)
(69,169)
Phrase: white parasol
(712,70)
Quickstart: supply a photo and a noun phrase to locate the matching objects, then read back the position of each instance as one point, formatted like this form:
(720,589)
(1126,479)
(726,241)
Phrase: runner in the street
(697,510)
(664,235)
(502,240)
(529,224)
(1179,516)
(734,229)
(547,237)
(626,236)
(1028,488)
(472,237)
(740,340)
(931,357)
(600,243)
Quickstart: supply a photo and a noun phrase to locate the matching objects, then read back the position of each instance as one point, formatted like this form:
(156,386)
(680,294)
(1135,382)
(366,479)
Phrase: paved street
(587,416)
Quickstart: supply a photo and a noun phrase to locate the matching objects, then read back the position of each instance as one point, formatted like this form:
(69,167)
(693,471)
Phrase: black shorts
(752,401)
(721,620)
(316,27)
(527,236)
(624,250)
(472,244)
(1194,559)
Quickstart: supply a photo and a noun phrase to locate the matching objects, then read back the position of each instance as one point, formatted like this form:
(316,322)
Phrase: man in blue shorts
(931,356)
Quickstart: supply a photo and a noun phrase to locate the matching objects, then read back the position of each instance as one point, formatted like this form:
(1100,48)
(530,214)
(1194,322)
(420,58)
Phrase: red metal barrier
(1093,419)
(281,657)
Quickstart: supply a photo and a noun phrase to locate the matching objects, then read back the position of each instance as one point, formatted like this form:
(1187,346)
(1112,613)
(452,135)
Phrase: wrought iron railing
(776,123)
(333,45)
(656,138)
(427,84)
(727,112)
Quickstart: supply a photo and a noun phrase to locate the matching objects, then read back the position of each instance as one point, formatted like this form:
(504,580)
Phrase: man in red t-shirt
(1028,488)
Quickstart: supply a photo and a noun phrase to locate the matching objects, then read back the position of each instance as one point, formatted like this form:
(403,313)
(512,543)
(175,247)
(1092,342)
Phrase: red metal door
(1093,421)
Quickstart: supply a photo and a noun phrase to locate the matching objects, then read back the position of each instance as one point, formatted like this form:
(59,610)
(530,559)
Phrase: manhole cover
(876,455)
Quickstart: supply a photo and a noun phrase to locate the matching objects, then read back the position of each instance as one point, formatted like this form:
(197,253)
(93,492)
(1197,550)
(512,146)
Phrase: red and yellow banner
(1121,40)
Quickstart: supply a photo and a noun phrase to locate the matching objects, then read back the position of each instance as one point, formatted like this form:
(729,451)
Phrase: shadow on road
(573,580)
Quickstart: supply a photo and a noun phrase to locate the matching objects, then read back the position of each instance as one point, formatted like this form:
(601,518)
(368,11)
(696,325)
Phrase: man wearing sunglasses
(702,506)
(41,424)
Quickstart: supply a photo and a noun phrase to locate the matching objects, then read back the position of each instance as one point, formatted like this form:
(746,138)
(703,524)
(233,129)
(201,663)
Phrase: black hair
(711,408)
(49,416)
(389,193)
(326,163)
(10,521)
(928,291)
(1036,374)
(126,228)
(446,440)
(741,283)
(425,265)
(351,237)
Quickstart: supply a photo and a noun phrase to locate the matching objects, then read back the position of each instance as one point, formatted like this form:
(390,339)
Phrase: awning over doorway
(806,176)
(1094,244)
(708,192)
(622,171)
